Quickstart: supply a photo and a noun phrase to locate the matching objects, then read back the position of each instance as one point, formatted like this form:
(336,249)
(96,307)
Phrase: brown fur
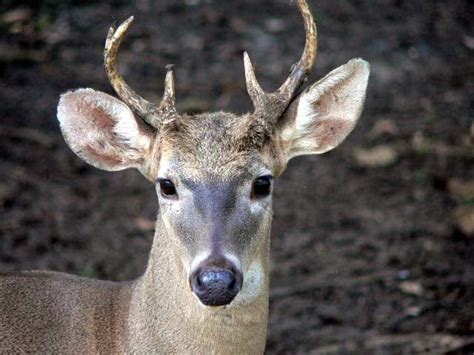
(49,312)
(220,143)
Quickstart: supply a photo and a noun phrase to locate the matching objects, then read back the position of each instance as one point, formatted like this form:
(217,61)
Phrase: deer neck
(165,314)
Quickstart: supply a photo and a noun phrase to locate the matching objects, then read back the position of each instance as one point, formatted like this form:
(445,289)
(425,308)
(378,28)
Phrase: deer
(206,285)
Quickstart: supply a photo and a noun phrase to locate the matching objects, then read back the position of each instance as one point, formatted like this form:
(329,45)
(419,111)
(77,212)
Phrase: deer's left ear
(322,116)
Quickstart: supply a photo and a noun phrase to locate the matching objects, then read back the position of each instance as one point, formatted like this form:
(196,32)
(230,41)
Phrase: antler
(151,113)
(270,106)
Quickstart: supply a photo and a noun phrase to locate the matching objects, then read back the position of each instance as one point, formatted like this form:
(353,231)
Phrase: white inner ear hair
(126,126)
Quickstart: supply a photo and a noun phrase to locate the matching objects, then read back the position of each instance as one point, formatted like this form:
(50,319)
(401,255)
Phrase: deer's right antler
(151,113)
(269,106)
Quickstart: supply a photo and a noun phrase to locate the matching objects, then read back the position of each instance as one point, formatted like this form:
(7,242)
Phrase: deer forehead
(213,145)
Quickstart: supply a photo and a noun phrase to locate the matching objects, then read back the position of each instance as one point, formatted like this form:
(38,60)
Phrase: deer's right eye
(167,187)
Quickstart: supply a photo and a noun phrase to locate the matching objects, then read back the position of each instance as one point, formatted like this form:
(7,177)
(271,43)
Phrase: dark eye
(167,187)
(262,186)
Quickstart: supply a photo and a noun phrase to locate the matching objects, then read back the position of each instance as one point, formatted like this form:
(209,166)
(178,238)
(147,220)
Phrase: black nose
(216,286)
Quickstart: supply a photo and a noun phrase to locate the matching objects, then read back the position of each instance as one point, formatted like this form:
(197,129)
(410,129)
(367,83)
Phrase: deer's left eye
(262,186)
(167,187)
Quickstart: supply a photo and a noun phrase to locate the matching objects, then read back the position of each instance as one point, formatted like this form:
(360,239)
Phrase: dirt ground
(372,249)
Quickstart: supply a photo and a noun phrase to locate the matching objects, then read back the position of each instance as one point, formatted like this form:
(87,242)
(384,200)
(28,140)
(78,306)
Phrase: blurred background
(372,248)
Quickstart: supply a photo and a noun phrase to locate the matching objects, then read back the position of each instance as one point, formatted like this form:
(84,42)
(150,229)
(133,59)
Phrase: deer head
(214,172)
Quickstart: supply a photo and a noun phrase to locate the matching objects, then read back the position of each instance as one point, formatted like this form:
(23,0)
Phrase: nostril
(197,284)
(232,284)
(198,281)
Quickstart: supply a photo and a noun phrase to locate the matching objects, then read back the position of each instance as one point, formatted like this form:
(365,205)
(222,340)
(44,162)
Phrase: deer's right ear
(103,131)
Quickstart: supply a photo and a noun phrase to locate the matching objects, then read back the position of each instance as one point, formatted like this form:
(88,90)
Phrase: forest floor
(372,247)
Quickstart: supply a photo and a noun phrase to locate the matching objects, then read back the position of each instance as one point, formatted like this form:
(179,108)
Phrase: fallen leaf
(384,126)
(411,288)
(16,15)
(463,219)
(424,145)
(468,41)
(379,156)
(413,311)
(461,190)
(420,143)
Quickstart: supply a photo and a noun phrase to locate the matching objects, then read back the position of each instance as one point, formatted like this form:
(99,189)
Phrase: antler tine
(280,99)
(151,113)
(167,110)
(303,67)
(256,93)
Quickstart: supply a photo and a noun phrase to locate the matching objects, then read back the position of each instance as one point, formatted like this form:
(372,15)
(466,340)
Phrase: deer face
(214,172)
(214,186)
